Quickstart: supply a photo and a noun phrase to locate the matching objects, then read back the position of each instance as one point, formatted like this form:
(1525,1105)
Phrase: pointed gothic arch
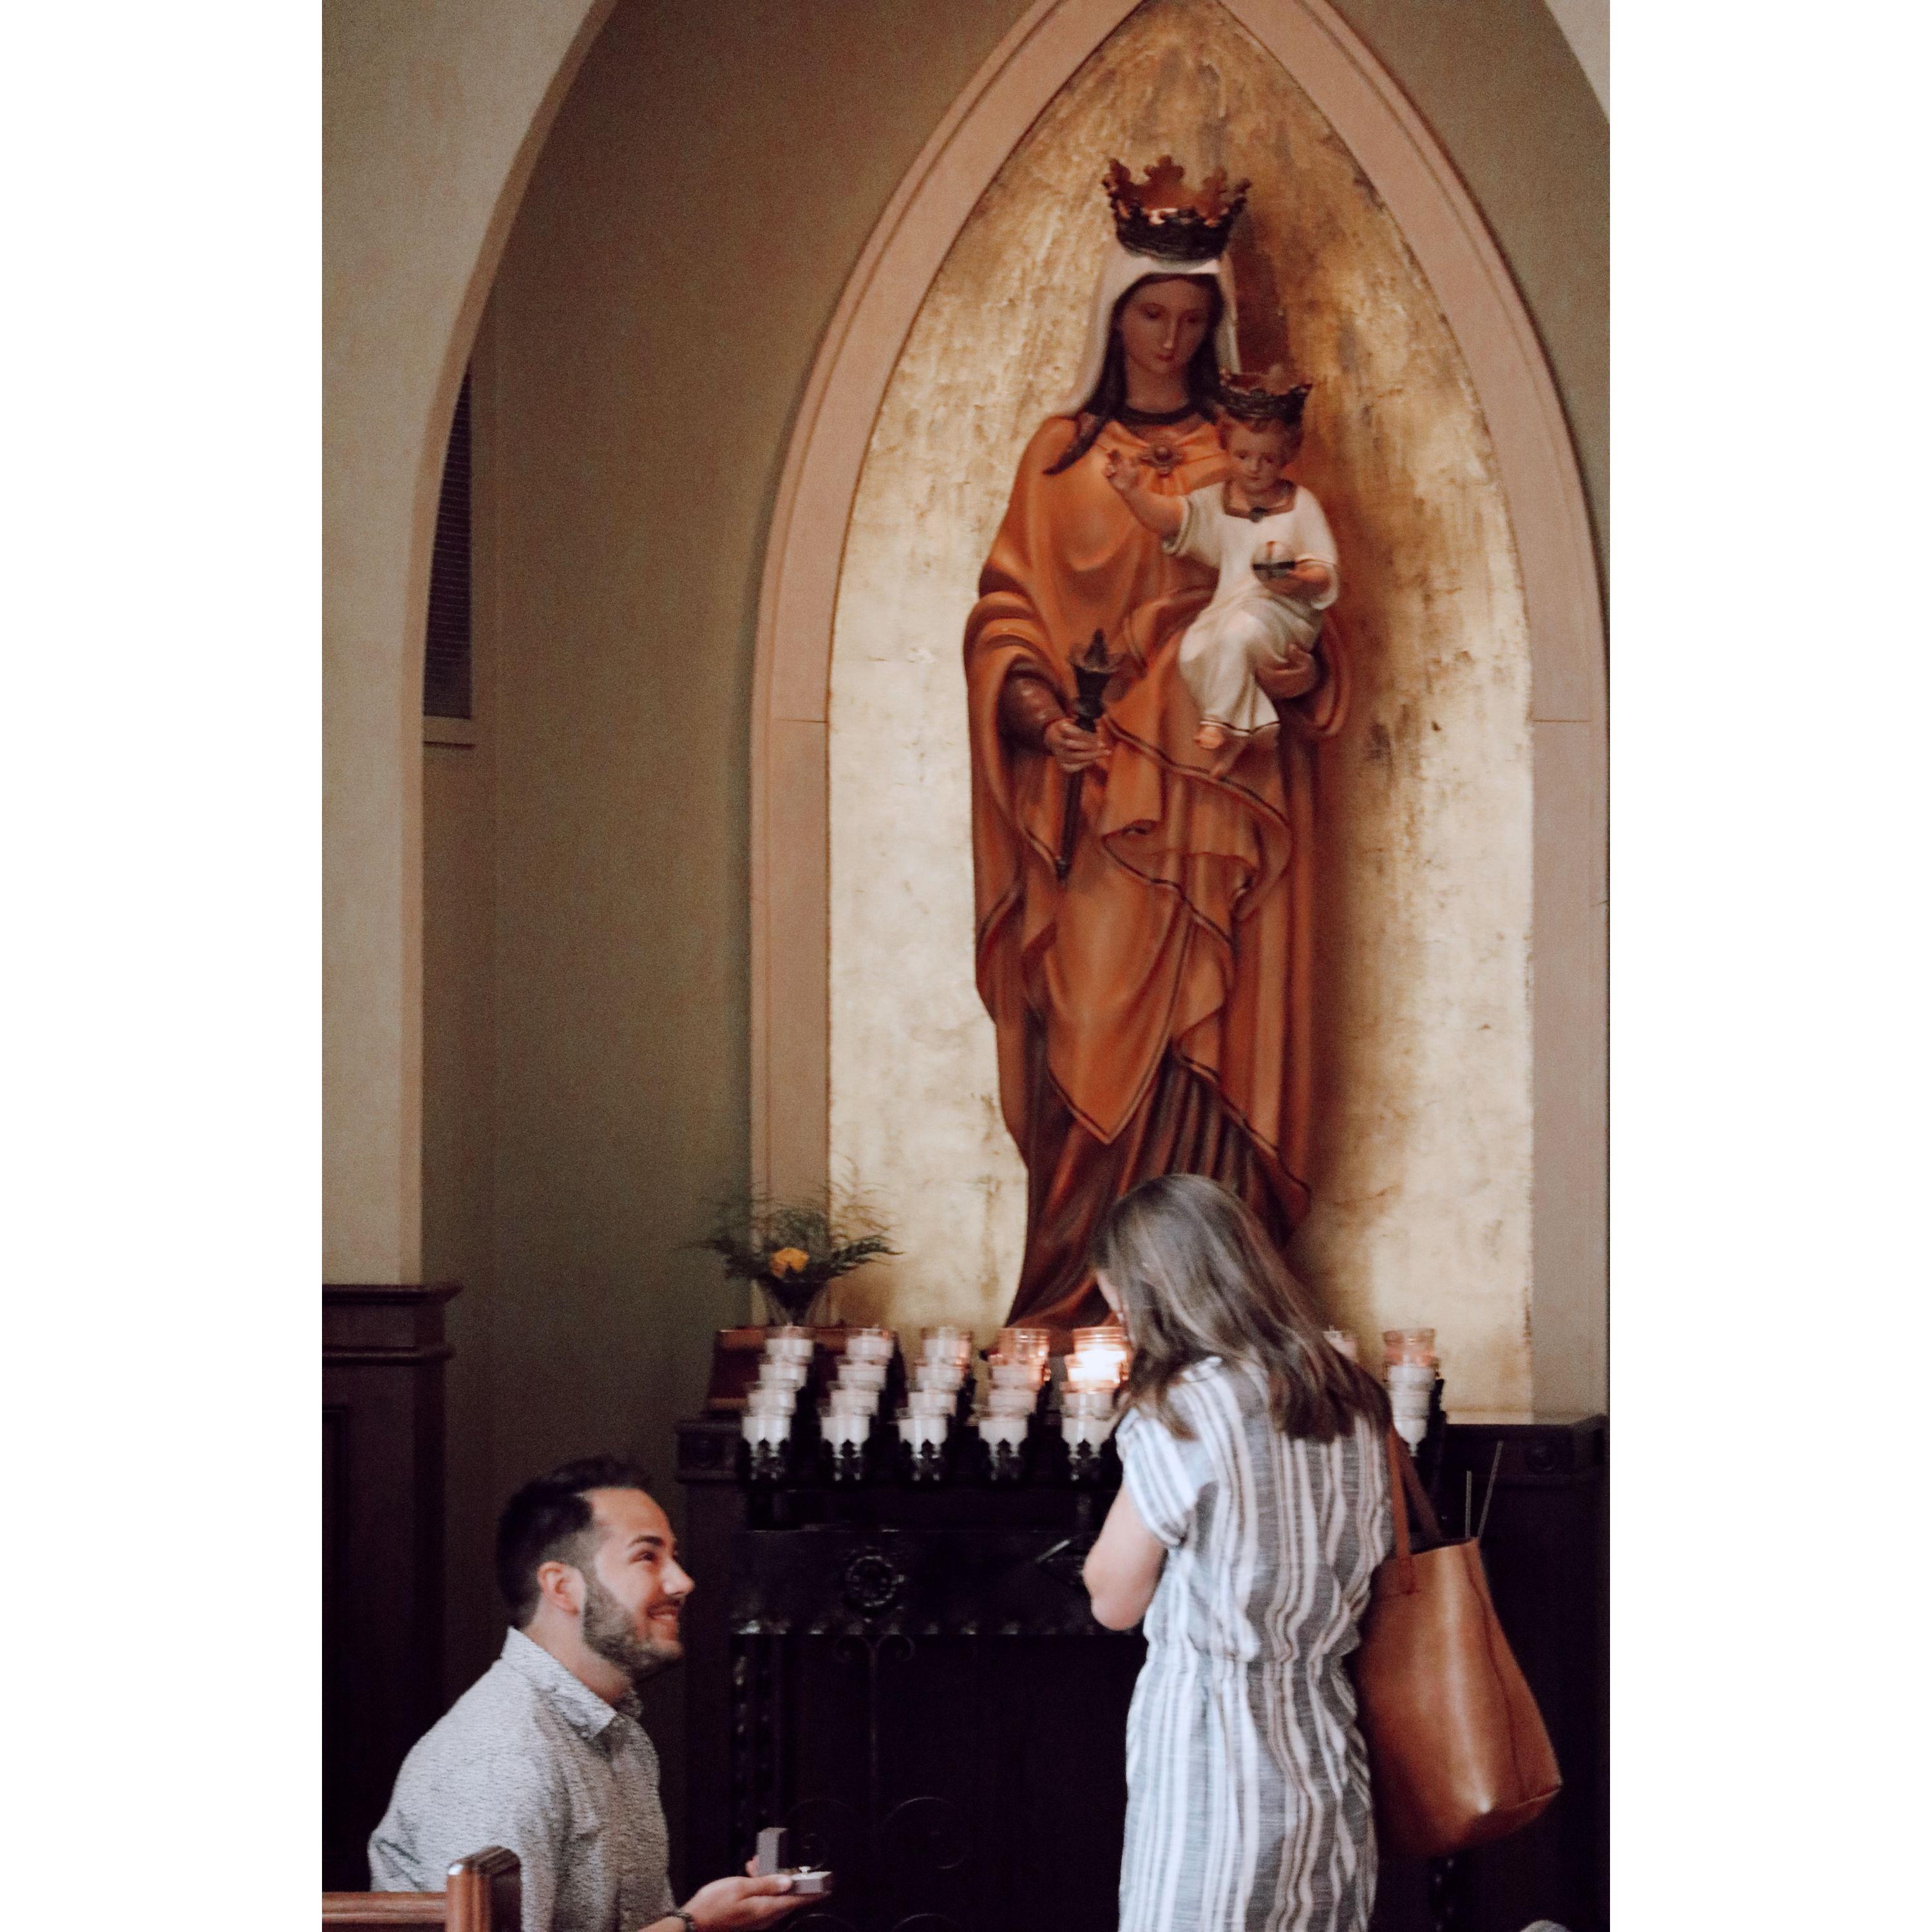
(1540,481)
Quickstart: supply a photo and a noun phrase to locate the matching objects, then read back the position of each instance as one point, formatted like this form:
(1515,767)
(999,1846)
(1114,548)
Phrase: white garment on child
(1245,625)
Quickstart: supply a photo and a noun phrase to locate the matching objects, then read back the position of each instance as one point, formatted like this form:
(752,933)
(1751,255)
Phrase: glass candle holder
(944,1341)
(1411,1375)
(1086,1402)
(1023,1345)
(839,1428)
(1344,1343)
(771,1402)
(929,1402)
(1095,1368)
(1010,1401)
(784,1374)
(870,1344)
(1014,1375)
(1409,1344)
(757,1429)
(862,1375)
(789,1343)
(947,1375)
(1088,1430)
(994,1429)
(851,1401)
(917,1431)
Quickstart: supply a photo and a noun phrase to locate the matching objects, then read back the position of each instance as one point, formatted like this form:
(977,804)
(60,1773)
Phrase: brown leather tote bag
(1458,1754)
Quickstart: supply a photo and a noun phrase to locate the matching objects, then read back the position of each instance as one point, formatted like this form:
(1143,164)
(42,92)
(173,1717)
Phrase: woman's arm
(1122,1569)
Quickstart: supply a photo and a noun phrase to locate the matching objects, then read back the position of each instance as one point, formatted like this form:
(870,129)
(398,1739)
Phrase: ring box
(774,1849)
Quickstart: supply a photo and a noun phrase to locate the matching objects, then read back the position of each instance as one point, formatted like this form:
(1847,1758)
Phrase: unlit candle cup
(839,1428)
(1086,1402)
(756,1429)
(1024,1344)
(1409,1344)
(1015,1375)
(862,1375)
(1010,1401)
(929,1402)
(994,1429)
(1092,1430)
(844,1401)
(1410,1375)
(917,1431)
(870,1344)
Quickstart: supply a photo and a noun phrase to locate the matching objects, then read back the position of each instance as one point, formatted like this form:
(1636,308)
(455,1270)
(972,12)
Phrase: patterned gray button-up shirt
(529,1757)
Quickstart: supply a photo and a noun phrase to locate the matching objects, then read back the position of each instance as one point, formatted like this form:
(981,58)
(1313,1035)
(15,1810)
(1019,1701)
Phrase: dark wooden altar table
(908,1676)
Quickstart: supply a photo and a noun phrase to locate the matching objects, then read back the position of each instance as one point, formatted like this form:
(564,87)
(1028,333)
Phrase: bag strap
(1406,1493)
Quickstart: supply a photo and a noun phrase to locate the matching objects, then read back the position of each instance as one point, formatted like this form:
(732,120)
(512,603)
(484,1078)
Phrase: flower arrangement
(794,1249)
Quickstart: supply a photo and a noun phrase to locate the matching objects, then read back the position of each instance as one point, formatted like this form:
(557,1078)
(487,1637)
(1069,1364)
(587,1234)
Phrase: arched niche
(1459,1173)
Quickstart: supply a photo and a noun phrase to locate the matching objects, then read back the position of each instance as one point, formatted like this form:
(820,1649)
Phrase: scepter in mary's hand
(1092,674)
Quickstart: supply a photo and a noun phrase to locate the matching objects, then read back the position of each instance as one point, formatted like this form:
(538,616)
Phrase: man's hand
(727,1904)
(1296,676)
(1072,749)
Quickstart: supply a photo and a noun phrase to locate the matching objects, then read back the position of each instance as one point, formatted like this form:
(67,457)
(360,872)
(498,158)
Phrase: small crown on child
(1265,398)
(1158,216)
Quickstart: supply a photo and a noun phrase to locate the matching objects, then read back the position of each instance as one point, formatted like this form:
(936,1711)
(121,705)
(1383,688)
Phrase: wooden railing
(485,1895)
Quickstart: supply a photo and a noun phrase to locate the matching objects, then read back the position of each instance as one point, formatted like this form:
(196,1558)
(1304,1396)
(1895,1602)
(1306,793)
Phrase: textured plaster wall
(1421,1171)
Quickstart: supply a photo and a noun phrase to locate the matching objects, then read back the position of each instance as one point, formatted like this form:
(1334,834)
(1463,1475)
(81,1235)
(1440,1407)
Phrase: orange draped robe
(1153,1011)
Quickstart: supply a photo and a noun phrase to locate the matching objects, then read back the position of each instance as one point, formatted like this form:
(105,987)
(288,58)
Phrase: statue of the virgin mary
(1152,1006)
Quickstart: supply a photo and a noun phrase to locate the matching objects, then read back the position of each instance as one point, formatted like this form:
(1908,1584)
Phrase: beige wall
(589,962)
(433,109)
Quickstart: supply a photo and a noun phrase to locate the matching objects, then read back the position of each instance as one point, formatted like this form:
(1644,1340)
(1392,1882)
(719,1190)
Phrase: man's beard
(611,1631)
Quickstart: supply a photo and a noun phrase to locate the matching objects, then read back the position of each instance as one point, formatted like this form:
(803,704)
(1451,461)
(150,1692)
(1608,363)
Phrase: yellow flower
(787,1260)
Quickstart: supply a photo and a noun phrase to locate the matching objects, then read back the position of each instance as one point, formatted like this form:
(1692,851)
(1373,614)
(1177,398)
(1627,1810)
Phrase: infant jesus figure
(1267,537)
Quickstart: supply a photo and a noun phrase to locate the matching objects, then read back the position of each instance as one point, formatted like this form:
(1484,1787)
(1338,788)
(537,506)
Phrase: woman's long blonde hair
(1196,1276)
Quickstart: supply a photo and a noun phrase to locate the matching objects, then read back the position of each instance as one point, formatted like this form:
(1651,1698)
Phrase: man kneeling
(544,1754)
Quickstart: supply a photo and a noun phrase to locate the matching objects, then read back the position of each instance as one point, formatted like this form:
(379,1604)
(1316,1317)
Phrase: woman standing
(1152,1005)
(1254,1510)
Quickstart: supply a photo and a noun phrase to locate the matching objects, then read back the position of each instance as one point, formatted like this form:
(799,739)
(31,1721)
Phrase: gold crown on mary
(1159,215)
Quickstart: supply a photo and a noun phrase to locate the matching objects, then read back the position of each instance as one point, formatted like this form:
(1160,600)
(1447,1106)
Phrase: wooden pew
(485,1895)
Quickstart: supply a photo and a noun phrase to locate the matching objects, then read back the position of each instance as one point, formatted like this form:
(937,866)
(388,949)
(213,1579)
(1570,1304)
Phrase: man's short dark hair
(549,1521)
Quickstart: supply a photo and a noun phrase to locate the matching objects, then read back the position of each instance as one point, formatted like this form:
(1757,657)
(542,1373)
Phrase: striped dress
(1247,1787)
